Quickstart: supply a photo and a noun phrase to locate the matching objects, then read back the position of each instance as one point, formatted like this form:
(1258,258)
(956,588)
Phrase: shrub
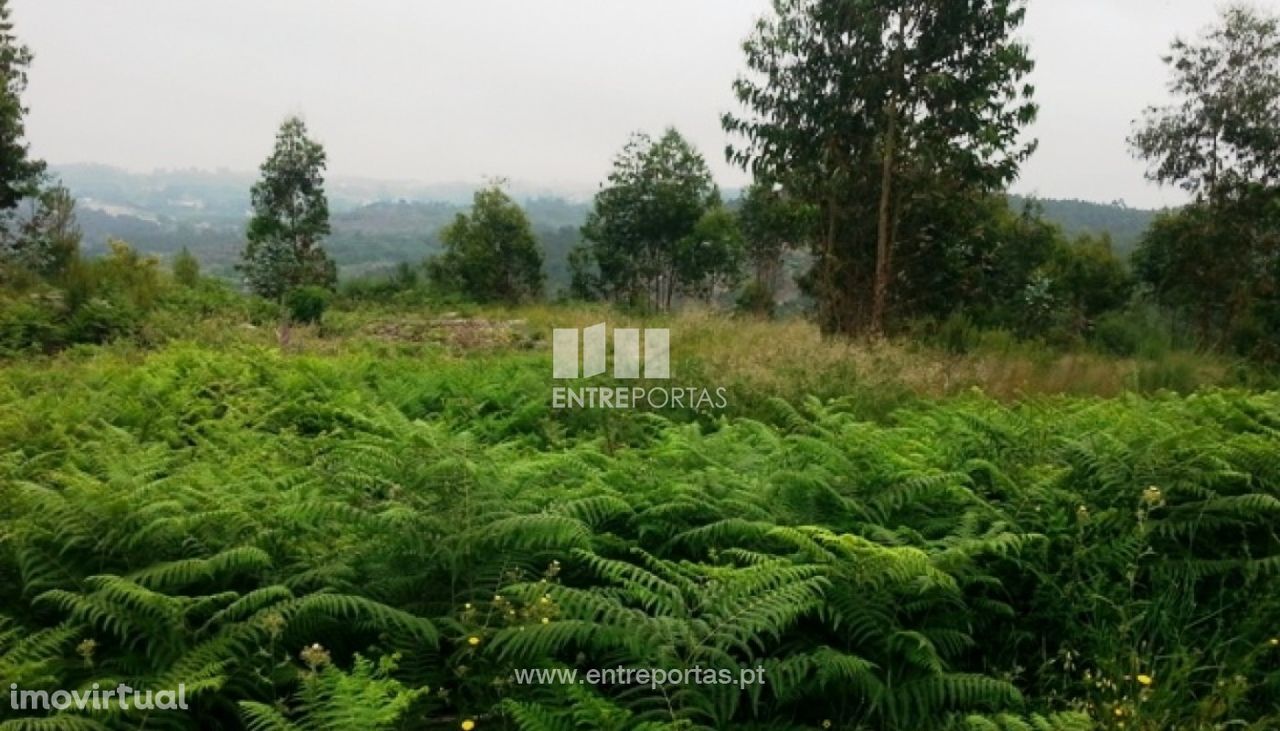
(1138,330)
(957,334)
(306,305)
(101,320)
(28,324)
(186,268)
(255,526)
(1175,372)
(757,299)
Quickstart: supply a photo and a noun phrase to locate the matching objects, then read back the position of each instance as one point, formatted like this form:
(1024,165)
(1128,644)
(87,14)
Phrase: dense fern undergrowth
(363,541)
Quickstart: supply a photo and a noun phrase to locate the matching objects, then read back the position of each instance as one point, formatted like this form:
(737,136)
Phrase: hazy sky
(543,91)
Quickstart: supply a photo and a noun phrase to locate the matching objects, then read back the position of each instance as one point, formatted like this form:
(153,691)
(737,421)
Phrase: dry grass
(792,357)
(788,358)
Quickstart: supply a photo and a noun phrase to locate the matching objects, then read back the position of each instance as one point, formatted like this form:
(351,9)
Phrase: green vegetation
(203,514)
(657,229)
(490,253)
(974,473)
(290,217)
(871,111)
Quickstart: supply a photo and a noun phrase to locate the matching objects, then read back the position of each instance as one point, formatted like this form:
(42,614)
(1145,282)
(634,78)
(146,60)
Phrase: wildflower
(1152,495)
(545,620)
(85,650)
(273,623)
(1145,679)
(315,656)
(473,640)
(826,723)
(1274,642)
(468,724)
(1119,711)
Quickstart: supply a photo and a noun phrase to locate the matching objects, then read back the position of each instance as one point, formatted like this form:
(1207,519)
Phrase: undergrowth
(379,540)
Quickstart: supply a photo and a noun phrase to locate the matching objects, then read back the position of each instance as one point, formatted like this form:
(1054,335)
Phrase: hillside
(377,224)
(1124,224)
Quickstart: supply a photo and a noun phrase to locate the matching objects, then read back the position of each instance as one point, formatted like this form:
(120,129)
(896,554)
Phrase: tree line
(881,136)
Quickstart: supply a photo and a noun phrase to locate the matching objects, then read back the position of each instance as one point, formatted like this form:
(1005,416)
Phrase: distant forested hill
(1084,217)
(377,224)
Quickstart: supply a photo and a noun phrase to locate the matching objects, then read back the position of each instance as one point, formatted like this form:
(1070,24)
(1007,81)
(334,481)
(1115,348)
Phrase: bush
(102,320)
(1138,331)
(1176,373)
(756,299)
(28,324)
(306,305)
(186,269)
(957,334)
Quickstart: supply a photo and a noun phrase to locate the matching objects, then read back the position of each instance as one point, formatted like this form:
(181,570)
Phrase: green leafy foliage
(290,218)
(19,174)
(253,525)
(307,304)
(642,243)
(491,253)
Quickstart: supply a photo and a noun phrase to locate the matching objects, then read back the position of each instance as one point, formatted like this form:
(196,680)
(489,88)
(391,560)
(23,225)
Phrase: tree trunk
(831,320)
(884,238)
(886,225)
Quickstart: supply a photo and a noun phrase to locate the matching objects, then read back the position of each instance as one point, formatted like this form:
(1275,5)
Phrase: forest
(982,462)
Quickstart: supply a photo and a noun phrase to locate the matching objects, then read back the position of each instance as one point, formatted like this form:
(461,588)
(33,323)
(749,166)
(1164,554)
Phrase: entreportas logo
(582,354)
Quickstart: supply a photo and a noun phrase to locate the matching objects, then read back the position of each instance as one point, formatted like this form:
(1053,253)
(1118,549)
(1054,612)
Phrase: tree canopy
(20,174)
(490,253)
(655,196)
(290,218)
(860,106)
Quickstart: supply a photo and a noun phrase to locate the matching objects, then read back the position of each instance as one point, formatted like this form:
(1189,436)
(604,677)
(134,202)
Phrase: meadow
(376,525)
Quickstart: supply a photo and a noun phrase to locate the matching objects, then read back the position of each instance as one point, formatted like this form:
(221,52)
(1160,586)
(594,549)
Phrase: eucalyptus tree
(490,253)
(290,218)
(20,174)
(859,106)
(1218,259)
(647,211)
(773,222)
(1221,133)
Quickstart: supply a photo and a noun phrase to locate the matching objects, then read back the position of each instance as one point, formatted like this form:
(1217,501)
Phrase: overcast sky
(543,91)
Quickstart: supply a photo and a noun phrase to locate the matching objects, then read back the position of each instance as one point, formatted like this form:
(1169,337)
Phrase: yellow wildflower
(473,640)
(468,724)
(1145,679)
